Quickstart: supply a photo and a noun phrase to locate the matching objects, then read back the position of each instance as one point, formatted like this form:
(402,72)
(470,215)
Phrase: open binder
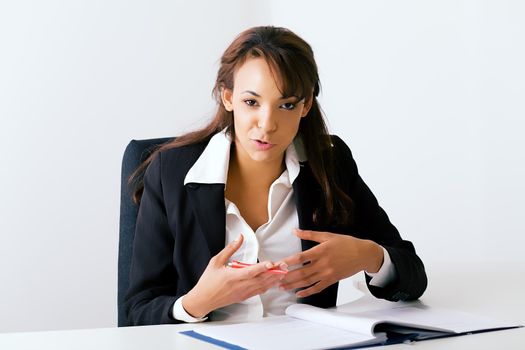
(308,327)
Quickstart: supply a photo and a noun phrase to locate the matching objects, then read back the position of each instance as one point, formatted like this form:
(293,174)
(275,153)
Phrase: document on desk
(309,327)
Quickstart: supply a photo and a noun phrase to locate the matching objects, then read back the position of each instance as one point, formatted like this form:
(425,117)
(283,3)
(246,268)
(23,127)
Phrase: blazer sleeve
(153,279)
(372,222)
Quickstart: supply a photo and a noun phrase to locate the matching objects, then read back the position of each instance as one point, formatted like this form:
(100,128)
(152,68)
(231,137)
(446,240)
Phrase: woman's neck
(245,171)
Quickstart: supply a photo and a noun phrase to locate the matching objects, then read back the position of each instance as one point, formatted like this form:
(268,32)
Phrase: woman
(264,183)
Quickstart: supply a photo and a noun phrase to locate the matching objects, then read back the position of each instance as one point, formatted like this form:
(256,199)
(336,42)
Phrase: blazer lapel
(307,194)
(207,201)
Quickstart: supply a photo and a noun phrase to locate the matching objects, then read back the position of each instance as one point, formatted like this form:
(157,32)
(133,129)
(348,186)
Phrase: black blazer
(179,228)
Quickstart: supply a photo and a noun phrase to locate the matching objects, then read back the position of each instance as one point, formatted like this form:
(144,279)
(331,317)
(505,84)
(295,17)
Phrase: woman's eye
(250,102)
(288,106)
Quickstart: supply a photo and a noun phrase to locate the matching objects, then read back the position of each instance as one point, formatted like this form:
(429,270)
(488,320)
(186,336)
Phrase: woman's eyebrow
(252,93)
(257,95)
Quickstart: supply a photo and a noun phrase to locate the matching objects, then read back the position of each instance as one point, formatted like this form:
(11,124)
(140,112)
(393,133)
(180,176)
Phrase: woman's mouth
(262,145)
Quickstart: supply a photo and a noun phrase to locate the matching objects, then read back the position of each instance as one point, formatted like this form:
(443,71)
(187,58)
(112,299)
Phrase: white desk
(496,292)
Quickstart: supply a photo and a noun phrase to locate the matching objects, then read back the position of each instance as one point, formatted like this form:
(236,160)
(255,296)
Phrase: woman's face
(265,121)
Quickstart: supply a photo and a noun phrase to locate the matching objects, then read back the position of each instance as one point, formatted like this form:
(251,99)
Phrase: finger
(315,236)
(298,259)
(255,270)
(282,265)
(316,288)
(300,273)
(270,278)
(224,255)
(268,281)
(304,280)
(260,284)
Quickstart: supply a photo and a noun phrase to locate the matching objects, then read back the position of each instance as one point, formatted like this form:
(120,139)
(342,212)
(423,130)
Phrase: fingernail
(268,265)
(283,266)
(237,239)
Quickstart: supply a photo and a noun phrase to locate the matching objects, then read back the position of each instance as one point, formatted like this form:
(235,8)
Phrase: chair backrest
(136,152)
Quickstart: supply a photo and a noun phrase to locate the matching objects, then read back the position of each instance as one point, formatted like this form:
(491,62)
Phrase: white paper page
(419,316)
(283,332)
(332,318)
(435,319)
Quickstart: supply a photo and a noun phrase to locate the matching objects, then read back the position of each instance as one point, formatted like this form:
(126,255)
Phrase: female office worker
(263,183)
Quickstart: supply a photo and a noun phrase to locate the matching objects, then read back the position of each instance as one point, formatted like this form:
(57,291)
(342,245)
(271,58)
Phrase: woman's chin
(265,156)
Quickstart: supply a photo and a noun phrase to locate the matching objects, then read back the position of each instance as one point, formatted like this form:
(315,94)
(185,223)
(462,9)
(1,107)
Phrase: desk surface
(494,292)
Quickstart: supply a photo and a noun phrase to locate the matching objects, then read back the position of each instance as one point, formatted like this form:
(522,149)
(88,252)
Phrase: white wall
(429,95)
(79,79)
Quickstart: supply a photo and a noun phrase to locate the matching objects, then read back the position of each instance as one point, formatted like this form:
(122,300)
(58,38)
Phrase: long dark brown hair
(291,59)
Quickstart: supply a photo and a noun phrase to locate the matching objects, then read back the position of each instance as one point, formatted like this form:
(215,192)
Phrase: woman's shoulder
(339,146)
(176,161)
(192,150)
(182,156)
(342,155)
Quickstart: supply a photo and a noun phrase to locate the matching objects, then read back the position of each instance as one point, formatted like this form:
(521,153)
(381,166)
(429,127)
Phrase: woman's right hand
(220,285)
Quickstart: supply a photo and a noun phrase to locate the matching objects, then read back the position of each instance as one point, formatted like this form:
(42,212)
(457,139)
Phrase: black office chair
(136,152)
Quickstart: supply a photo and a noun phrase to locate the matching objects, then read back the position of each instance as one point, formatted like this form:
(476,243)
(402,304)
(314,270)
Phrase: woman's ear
(307,105)
(227,99)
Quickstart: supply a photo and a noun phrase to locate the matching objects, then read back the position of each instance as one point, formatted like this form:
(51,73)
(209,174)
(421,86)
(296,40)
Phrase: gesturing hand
(334,258)
(220,285)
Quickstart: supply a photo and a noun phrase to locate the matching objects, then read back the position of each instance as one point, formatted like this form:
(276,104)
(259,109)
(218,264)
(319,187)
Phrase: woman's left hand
(334,258)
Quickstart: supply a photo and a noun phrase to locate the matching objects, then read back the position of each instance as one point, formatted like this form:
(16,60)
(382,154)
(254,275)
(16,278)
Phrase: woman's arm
(373,222)
(338,256)
(153,279)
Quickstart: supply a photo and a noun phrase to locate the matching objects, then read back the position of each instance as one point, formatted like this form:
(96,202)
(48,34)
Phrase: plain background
(428,94)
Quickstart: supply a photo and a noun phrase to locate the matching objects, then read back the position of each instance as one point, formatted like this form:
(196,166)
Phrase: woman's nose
(267,121)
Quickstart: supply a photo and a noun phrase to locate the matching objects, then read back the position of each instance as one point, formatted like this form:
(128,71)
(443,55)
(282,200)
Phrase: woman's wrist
(374,257)
(193,306)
